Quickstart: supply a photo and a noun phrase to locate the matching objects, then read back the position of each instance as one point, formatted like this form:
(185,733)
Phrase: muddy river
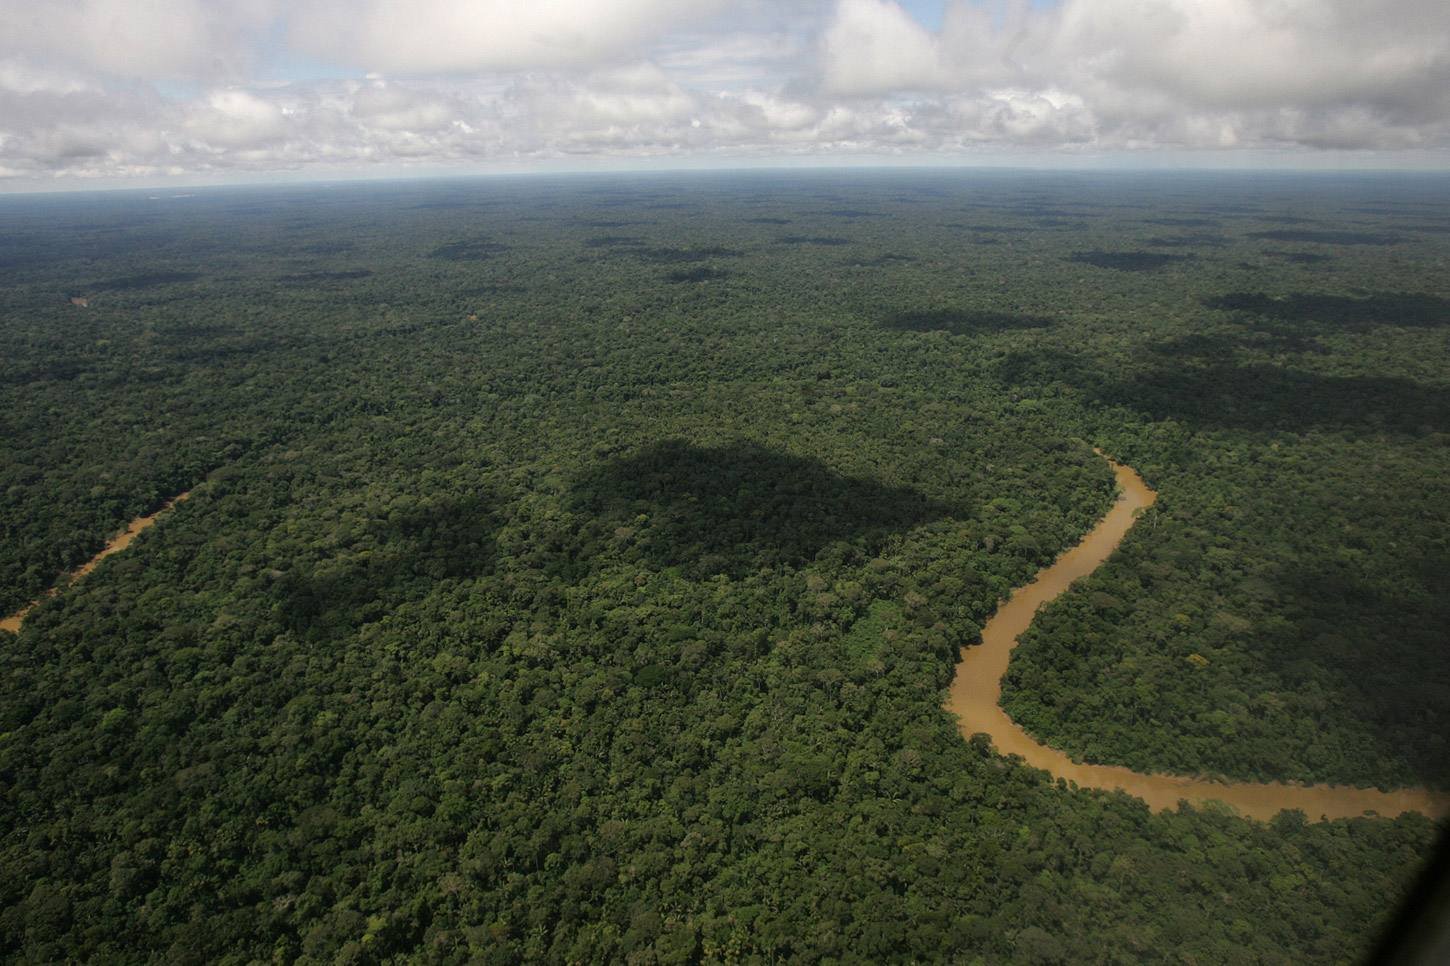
(117,543)
(977,688)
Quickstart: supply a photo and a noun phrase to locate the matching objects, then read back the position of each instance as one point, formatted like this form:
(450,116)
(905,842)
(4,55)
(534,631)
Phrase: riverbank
(976,692)
(116,544)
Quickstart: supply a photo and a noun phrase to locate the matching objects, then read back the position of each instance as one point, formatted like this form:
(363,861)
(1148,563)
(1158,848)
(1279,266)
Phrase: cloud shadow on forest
(1339,311)
(1299,258)
(452,539)
(1215,392)
(700,273)
(145,280)
(830,241)
(963,321)
(1379,645)
(1326,237)
(1187,241)
(1221,346)
(468,250)
(675,256)
(614,241)
(1183,222)
(880,261)
(1127,261)
(740,507)
(303,278)
(1266,397)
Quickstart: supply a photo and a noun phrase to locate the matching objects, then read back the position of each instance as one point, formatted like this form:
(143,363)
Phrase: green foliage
(556,595)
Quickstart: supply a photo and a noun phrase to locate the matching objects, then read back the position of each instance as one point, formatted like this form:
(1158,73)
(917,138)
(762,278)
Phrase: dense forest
(574,567)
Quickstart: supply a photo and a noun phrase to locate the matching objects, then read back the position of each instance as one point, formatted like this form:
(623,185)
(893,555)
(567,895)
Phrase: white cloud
(236,119)
(135,38)
(434,36)
(875,46)
(93,88)
(21,77)
(382,106)
(1244,53)
(734,60)
(1186,73)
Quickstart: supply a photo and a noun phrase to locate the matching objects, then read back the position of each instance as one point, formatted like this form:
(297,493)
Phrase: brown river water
(977,689)
(117,543)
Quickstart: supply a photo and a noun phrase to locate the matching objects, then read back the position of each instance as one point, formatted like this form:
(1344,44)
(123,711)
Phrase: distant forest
(574,567)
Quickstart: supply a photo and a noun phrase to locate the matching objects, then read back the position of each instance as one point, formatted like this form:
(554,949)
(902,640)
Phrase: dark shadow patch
(307,277)
(1183,222)
(220,352)
(614,241)
(1221,346)
(882,261)
(964,321)
(491,288)
(1030,210)
(1050,213)
(992,229)
(327,248)
(702,273)
(201,330)
(49,370)
(671,256)
(1187,241)
(827,240)
(468,250)
(851,213)
(451,539)
(1340,311)
(768,221)
(1327,237)
(608,223)
(1375,643)
(1300,258)
(1127,261)
(1216,393)
(741,507)
(1263,397)
(145,280)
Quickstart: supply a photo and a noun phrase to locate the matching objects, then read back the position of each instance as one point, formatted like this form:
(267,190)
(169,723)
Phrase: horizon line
(188,184)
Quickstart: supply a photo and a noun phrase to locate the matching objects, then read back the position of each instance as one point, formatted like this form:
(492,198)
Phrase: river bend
(976,692)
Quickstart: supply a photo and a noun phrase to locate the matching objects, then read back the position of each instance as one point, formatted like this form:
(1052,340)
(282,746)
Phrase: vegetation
(574,567)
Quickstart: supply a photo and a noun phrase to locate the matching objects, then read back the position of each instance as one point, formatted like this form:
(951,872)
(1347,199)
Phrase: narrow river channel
(977,689)
(116,544)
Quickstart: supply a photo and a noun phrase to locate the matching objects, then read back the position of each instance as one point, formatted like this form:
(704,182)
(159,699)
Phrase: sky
(145,92)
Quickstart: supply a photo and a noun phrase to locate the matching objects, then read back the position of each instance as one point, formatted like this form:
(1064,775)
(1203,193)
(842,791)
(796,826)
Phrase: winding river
(116,544)
(977,690)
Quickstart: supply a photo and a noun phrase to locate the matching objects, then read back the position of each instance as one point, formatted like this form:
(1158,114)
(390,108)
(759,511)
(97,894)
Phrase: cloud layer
(150,88)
